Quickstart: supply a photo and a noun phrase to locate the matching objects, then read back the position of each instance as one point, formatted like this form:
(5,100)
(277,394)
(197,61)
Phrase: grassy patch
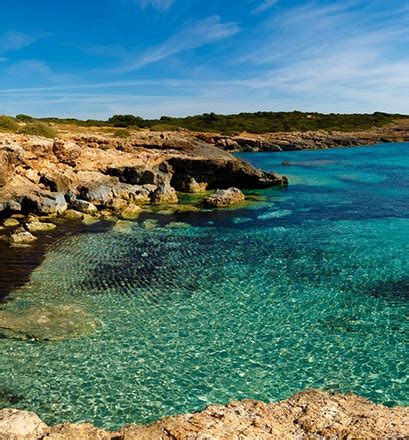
(39,129)
(8,124)
(122,133)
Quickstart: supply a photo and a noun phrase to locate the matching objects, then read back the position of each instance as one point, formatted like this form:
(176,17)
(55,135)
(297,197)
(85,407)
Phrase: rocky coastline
(311,414)
(92,177)
(89,177)
(311,140)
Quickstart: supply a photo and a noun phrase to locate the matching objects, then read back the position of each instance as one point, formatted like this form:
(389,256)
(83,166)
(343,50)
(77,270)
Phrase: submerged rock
(149,224)
(225,197)
(46,323)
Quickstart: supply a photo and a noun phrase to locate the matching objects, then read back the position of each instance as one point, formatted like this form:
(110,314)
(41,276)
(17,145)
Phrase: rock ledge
(311,414)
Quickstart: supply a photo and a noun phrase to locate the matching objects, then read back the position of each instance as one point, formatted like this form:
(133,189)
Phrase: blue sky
(95,58)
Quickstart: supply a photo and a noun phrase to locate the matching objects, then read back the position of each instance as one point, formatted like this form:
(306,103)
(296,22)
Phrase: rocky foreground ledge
(88,176)
(311,414)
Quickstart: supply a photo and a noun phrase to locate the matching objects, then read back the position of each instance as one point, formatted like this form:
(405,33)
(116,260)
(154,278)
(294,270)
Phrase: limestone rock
(118,204)
(83,431)
(225,197)
(10,157)
(67,151)
(17,424)
(11,223)
(164,194)
(88,219)
(54,204)
(55,181)
(37,226)
(21,236)
(192,186)
(72,214)
(131,212)
(84,206)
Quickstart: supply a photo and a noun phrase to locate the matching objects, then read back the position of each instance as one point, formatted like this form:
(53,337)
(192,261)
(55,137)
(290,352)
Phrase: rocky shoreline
(95,175)
(311,414)
(92,177)
(311,140)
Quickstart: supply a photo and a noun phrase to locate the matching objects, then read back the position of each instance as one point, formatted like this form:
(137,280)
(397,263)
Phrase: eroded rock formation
(89,173)
(311,414)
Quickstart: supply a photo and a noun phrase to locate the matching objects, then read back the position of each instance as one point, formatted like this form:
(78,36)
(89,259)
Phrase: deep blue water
(306,287)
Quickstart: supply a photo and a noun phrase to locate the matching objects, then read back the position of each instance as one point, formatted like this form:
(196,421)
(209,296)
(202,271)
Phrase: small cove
(305,288)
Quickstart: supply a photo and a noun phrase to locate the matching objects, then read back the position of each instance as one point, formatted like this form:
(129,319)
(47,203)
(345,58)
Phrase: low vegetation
(8,124)
(260,122)
(38,129)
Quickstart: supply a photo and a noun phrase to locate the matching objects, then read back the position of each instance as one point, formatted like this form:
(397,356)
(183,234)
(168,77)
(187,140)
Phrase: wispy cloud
(13,40)
(341,56)
(37,71)
(160,5)
(194,35)
(264,6)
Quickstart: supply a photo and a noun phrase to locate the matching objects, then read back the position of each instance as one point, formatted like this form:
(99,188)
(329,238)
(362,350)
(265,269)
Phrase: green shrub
(39,129)
(8,124)
(24,118)
(164,127)
(122,133)
(125,121)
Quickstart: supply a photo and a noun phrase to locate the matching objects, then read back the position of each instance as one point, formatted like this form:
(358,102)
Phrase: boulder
(53,204)
(192,186)
(225,197)
(67,152)
(164,194)
(96,188)
(10,205)
(17,424)
(11,223)
(55,181)
(84,206)
(10,157)
(21,236)
(37,226)
(131,212)
(72,214)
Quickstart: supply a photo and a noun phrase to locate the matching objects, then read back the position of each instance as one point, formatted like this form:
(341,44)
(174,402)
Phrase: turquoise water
(307,287)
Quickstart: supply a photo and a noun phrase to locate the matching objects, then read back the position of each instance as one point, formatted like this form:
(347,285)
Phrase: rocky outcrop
(311,414)
(225,197)
(15,424)
(10,157)
(90,174)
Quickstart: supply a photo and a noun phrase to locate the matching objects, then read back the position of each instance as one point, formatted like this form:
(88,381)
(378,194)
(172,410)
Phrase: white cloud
(161,5)
(346,56)
(264,6)
(194,35)
(37,71)
(13,40)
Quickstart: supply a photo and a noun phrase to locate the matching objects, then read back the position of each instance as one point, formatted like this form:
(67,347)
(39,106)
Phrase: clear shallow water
(307,288)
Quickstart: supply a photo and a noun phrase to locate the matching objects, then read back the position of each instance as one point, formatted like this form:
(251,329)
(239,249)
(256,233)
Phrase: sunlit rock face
(308,414)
